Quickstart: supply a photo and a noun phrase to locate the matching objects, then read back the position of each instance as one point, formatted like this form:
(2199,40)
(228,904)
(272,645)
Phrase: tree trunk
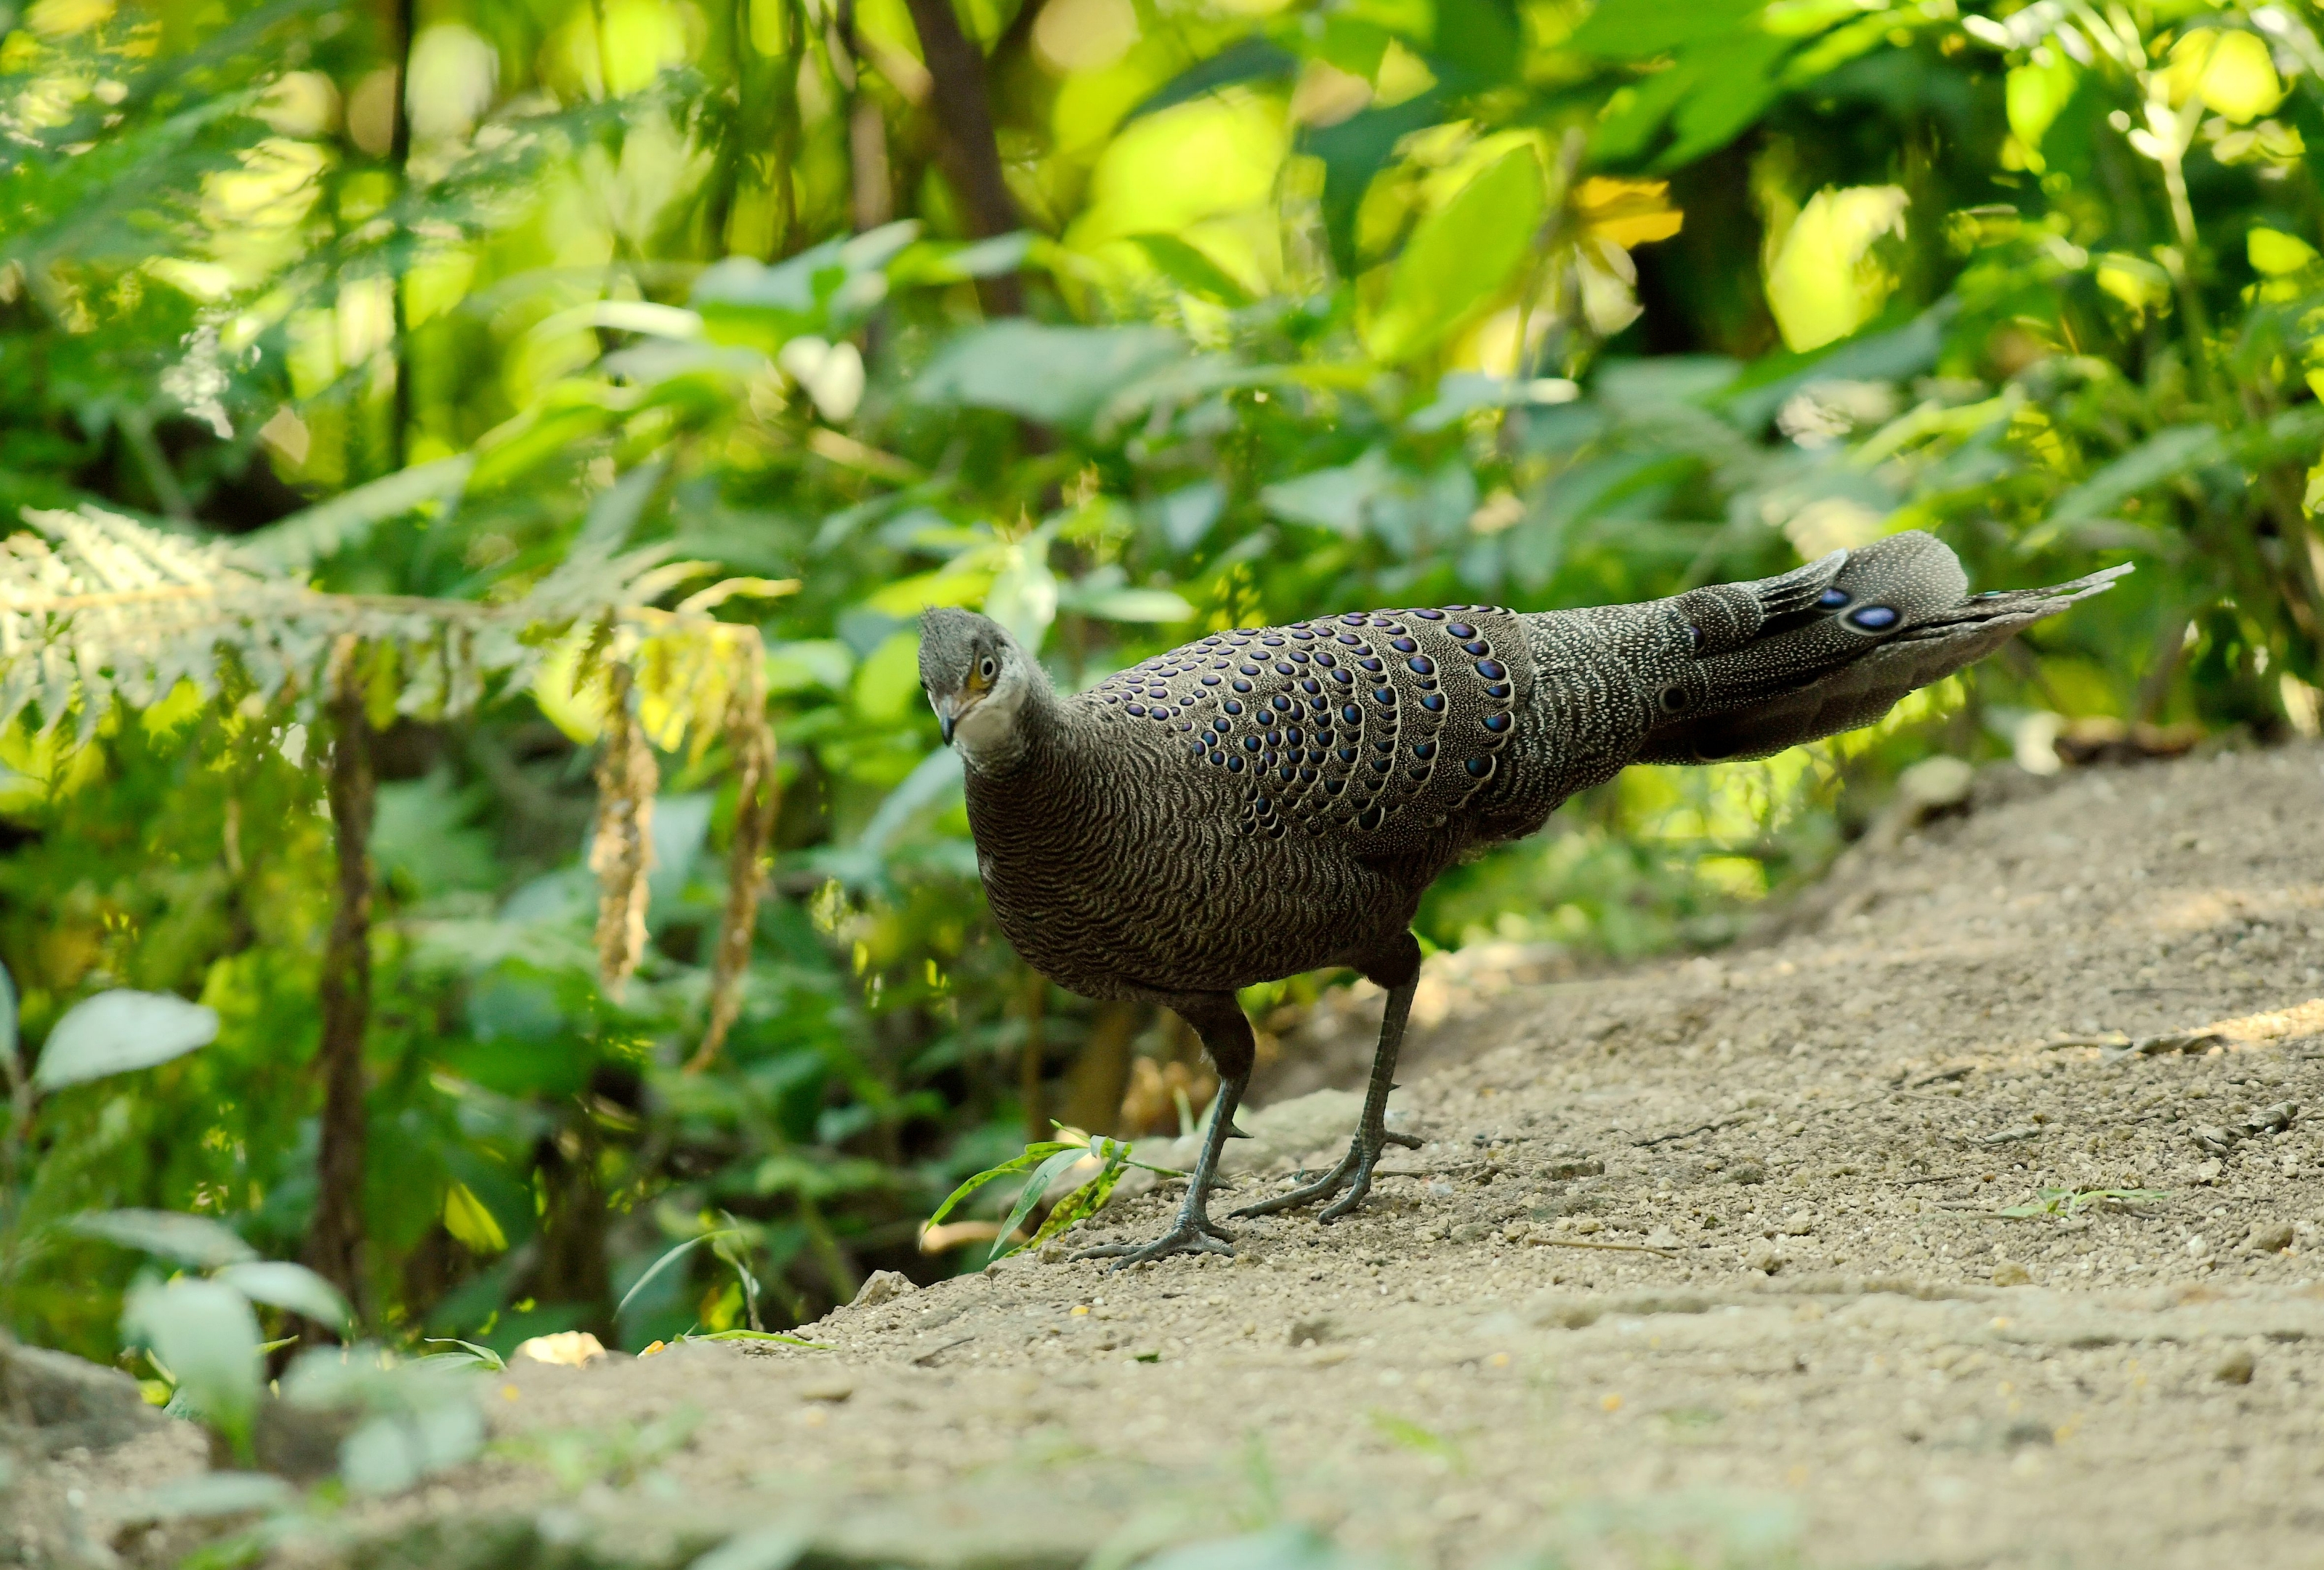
(335,1238)
(1100,1075)
(966,147)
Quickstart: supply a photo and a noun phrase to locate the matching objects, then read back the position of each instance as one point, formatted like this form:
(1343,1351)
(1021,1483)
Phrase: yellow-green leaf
(472,1227)
(2230,72)
(1460,258)
(2275,253)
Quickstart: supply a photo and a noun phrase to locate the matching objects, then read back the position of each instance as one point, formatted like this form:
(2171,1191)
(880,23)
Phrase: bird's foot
(1354,1174)
(1192,1233)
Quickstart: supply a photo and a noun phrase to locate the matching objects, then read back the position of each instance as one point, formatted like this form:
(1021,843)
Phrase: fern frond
(97,609)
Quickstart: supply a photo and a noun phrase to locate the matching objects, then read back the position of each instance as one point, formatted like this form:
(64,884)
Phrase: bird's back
(1269,800)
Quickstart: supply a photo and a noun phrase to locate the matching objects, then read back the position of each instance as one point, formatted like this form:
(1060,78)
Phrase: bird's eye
(986,668)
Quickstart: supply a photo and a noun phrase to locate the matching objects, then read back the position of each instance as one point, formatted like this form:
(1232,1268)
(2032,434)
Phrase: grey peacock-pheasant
(1272,800)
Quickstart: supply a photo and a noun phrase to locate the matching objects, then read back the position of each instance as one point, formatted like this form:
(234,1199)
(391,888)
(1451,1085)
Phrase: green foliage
(1046,1161)
(636,358)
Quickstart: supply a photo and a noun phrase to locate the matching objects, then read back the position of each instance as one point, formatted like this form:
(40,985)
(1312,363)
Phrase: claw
(1409,1141)
(1323,1187)
(1191,1235)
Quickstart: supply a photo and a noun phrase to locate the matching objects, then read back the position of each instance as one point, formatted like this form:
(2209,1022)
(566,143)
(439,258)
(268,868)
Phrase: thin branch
(335,1237)
(966,146)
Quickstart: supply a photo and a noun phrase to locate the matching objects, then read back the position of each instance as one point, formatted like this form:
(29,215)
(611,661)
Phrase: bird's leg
(1227,1034)
(1355,1172)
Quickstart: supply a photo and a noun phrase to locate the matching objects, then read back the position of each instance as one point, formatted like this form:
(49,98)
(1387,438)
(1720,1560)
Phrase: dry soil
(1974,1223)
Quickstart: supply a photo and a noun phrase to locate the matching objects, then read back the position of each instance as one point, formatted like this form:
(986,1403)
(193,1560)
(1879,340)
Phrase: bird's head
(977,679)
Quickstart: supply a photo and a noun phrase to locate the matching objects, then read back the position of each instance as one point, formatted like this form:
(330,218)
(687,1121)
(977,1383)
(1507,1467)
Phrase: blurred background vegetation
(1122,320)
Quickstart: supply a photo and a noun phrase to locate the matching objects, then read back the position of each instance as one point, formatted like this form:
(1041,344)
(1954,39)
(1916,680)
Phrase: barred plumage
(1270,800)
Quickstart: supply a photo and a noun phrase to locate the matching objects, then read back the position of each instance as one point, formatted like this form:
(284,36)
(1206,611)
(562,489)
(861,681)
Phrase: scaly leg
(1401,975)
(1218,1020)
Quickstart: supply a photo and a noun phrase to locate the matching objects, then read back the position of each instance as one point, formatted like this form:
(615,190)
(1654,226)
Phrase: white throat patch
(987,733)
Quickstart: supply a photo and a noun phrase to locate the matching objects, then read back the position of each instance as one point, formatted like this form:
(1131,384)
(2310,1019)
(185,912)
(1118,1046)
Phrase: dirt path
(1705,1264)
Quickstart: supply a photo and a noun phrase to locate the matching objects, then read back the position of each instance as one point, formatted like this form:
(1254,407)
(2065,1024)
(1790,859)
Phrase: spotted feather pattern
(1274,799)
(1375,728)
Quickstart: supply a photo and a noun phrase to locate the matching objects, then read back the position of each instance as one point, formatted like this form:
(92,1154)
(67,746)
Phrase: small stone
(1747,1172)
(881,1286)
(2212,1139)
(2236,1368)
(2271,1237)
(2209,1171)
(1559,1169)
(832,1388)
(1470,1231)
(1766,1258)
(2010,1273)
(1662,1237)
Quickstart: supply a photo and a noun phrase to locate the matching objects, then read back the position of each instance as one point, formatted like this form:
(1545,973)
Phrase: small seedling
(1047,1160)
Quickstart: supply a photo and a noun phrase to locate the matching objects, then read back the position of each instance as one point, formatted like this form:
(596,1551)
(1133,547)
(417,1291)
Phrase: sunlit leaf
(117,1031)
(1032,1156)
(205,1334)
(1043,1178)
(281,1284)
(2230,70)
(471,1223)
(170,1234)
(1460,258)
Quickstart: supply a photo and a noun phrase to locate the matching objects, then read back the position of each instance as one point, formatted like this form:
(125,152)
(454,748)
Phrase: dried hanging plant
(621,851)
(751,742)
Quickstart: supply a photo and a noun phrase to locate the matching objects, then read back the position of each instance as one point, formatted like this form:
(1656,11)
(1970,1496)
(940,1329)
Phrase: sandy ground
(1768,1258)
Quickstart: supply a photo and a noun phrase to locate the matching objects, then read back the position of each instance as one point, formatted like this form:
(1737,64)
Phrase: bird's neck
(1010,727)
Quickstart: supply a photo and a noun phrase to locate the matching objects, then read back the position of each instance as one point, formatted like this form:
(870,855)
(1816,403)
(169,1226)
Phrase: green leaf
(283,1285)
(209,1495)
(306,538)
(1353,153)
(470,1353)
(668,1258)
(1643,32)
(116,1031)
(1460,258)
(1338,499)
(186,1239)
(2169,454)
(1079,1206)
(393,1451)
(1251,60)
(205,1334)
(1192,271)
(1032,1156)
(1043,1176)
(765,1549)
(776,1336)
(1133,605)
(1058,375)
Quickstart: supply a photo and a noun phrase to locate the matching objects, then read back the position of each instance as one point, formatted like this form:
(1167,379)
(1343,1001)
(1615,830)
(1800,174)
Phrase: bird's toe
(1187,1237)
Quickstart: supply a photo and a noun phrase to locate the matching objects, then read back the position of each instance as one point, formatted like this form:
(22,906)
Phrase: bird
(1265,801)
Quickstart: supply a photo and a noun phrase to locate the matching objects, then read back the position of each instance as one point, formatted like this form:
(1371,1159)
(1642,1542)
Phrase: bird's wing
(1371,727)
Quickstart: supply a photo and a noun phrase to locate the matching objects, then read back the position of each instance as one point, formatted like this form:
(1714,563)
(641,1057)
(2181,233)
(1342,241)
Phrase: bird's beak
(947,715)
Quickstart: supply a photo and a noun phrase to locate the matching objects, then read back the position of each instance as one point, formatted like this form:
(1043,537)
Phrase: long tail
(1835,645)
